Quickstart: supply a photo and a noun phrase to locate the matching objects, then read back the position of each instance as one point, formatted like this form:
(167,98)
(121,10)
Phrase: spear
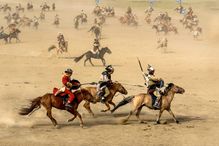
(139,62)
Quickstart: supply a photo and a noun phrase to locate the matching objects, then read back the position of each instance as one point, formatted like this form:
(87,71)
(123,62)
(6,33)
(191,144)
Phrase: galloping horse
(114,88)
(96,30)
(14,35)
(4,36)
(49,100)
(90,54)
(143,99)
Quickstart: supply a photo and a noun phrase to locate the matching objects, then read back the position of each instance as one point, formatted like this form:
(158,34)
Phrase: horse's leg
(112,103)
(87,107)
(103,61)
(160,113)
(138,113)
(85,60)
(108,107)
(91,62)
(75,115)
(80,119)
(49,114)
(171,113)
(127,118)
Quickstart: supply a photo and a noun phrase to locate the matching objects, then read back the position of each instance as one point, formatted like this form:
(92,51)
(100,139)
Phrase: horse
(96,30)
(14,34)
(5,37)
(114,88)
(49,101)
(144,99)
(90,54)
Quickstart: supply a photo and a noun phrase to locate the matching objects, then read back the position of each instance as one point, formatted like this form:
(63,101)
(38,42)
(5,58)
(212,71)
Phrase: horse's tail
(35,104)
(123,102)
(51,48)
(79,58)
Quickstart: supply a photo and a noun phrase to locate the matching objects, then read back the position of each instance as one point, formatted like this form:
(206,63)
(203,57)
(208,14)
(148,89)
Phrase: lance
(139,62)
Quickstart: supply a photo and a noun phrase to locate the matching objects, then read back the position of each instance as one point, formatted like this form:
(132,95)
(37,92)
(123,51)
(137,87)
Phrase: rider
(104,83)
(56,20)
(153,84)
(67,85)
(61,40)
(96,46)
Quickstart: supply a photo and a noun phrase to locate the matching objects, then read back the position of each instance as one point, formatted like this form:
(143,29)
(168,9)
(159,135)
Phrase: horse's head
(174,89)
(106,50)
(119,88)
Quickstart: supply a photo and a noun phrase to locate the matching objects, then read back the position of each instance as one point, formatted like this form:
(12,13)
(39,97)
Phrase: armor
(105,83)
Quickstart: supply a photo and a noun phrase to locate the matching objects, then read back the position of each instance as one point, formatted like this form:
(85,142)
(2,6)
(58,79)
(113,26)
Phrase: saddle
(63,95)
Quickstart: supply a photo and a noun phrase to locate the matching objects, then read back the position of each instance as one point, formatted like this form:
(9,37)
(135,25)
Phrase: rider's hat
(150,69)
(109,68)
(69,71)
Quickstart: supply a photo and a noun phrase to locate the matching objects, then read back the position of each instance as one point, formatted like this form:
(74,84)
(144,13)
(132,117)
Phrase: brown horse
(114,88)
(140,100)
(49,100)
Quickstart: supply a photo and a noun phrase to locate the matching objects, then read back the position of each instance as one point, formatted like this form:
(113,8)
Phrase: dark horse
(49,100)
(4,36)
(90,54)
(14,35)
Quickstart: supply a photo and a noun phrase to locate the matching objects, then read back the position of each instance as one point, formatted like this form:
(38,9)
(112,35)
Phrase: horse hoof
(123,122)
(158,122)
(177,122)
(81,125)
(57,127)
(142,122)
(103,110)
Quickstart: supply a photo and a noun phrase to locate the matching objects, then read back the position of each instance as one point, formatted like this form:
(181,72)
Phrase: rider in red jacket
(67,87)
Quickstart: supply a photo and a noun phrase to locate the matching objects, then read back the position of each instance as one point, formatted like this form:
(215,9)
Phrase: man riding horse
(153,84)
(96,47)
(61,42)
(67,86)
(105,83)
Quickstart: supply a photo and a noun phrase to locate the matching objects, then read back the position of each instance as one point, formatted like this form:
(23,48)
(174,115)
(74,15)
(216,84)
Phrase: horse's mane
(167,89)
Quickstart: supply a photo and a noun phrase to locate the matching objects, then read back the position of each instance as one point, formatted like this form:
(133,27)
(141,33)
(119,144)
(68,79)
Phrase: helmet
(150,69)
(68,71)
(109,69)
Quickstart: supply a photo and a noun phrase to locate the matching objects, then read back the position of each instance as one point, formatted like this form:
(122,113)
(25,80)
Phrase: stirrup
(68,106)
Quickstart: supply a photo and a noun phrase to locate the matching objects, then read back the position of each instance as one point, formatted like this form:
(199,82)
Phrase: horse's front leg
(171,113)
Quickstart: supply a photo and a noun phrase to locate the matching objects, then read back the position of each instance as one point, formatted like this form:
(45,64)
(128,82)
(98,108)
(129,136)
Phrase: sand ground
(28,71)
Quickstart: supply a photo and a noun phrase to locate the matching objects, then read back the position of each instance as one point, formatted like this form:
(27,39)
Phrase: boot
(68,106)
(156,104)
(102,99)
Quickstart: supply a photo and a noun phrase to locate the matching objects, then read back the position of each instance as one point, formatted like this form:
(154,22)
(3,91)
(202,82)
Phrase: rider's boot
(68,106)
(156,104)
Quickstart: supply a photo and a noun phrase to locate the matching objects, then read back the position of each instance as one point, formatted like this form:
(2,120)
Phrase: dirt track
(28,71)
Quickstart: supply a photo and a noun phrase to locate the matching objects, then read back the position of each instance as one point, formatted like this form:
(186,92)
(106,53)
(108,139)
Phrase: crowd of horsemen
(105,83)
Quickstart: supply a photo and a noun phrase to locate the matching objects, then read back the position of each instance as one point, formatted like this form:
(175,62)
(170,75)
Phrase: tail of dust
(35,103)
(79,58)
(123,102)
